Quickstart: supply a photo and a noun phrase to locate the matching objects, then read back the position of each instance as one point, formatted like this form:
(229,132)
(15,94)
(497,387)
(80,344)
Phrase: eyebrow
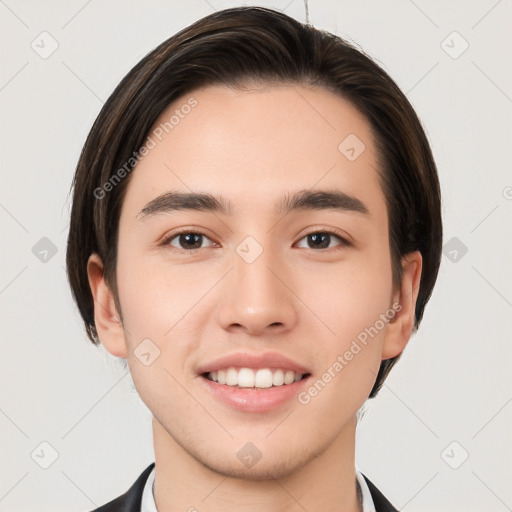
(302,200)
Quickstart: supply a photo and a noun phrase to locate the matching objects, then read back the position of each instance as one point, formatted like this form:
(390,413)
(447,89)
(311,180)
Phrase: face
(302,286)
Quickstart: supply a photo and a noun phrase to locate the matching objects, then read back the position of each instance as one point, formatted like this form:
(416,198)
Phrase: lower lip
(255,400)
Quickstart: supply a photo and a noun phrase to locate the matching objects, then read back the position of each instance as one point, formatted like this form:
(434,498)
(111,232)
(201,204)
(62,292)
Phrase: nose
(258,297)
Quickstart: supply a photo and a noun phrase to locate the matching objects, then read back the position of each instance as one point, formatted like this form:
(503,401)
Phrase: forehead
(252,145)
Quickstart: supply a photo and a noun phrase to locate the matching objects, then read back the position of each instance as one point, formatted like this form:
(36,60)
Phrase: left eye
(322,239)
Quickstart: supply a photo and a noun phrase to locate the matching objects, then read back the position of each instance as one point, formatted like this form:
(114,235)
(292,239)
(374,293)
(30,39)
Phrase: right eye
(186,240)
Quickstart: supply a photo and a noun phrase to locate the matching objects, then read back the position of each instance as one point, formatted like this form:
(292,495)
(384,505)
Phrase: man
(256,229)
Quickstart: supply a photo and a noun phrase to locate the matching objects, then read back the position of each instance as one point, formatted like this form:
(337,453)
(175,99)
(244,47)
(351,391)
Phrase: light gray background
(453,383)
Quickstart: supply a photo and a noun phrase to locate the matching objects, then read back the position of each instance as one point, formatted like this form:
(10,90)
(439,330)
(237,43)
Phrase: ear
(399,328)
(106,317)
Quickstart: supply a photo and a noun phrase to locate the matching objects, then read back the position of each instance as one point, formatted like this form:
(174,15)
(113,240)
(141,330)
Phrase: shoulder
(379,500)
(130,501)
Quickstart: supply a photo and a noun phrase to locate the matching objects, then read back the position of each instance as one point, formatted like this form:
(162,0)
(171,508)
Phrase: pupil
(320,237)
(190,237)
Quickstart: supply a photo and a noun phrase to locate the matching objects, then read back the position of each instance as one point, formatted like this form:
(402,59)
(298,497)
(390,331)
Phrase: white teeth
(231,377)
(263,378)
(245,378)
(278,378)
(288,377)
(249,378)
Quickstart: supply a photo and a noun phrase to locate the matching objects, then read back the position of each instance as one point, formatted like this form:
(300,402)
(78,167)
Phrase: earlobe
(399,330)
(106,317)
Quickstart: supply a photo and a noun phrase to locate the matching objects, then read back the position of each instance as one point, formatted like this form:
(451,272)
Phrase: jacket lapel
(381,503)
(131,500)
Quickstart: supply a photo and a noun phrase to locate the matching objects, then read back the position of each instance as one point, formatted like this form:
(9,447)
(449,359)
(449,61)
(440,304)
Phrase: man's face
(259,280)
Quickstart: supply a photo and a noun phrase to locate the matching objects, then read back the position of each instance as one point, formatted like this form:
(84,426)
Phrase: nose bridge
(254,277)
(257,296)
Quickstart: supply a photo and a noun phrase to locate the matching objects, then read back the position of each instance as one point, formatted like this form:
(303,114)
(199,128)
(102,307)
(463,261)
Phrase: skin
(252,147)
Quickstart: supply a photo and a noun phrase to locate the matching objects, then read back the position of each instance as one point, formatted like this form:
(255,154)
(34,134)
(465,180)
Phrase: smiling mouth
(247,378)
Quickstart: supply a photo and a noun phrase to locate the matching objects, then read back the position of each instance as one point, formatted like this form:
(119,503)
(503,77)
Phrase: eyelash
(166,242)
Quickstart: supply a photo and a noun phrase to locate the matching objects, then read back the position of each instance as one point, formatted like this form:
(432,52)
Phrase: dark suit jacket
(130,501)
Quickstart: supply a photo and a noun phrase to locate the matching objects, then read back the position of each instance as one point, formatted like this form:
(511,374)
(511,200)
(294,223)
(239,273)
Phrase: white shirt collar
(368,504)
(148,500)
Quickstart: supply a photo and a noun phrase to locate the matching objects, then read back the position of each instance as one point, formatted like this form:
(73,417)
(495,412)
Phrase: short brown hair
(235,47)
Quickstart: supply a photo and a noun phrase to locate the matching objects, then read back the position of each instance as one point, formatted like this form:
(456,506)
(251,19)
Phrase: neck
(319,481)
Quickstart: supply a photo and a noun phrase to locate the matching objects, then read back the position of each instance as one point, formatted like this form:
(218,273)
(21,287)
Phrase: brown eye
(323,239)
(187,241)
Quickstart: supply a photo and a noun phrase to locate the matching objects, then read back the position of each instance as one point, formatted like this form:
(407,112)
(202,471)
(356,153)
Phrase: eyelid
(345,238)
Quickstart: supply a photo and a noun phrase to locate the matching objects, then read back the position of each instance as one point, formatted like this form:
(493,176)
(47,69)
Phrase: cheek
(351,299)
(349,296)
(154,297)
(162,303)
(349,353)
(157,304)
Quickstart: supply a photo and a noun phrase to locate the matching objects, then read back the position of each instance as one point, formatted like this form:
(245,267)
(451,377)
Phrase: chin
(266,468)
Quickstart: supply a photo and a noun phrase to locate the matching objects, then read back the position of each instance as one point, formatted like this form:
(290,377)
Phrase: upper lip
(255,361)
